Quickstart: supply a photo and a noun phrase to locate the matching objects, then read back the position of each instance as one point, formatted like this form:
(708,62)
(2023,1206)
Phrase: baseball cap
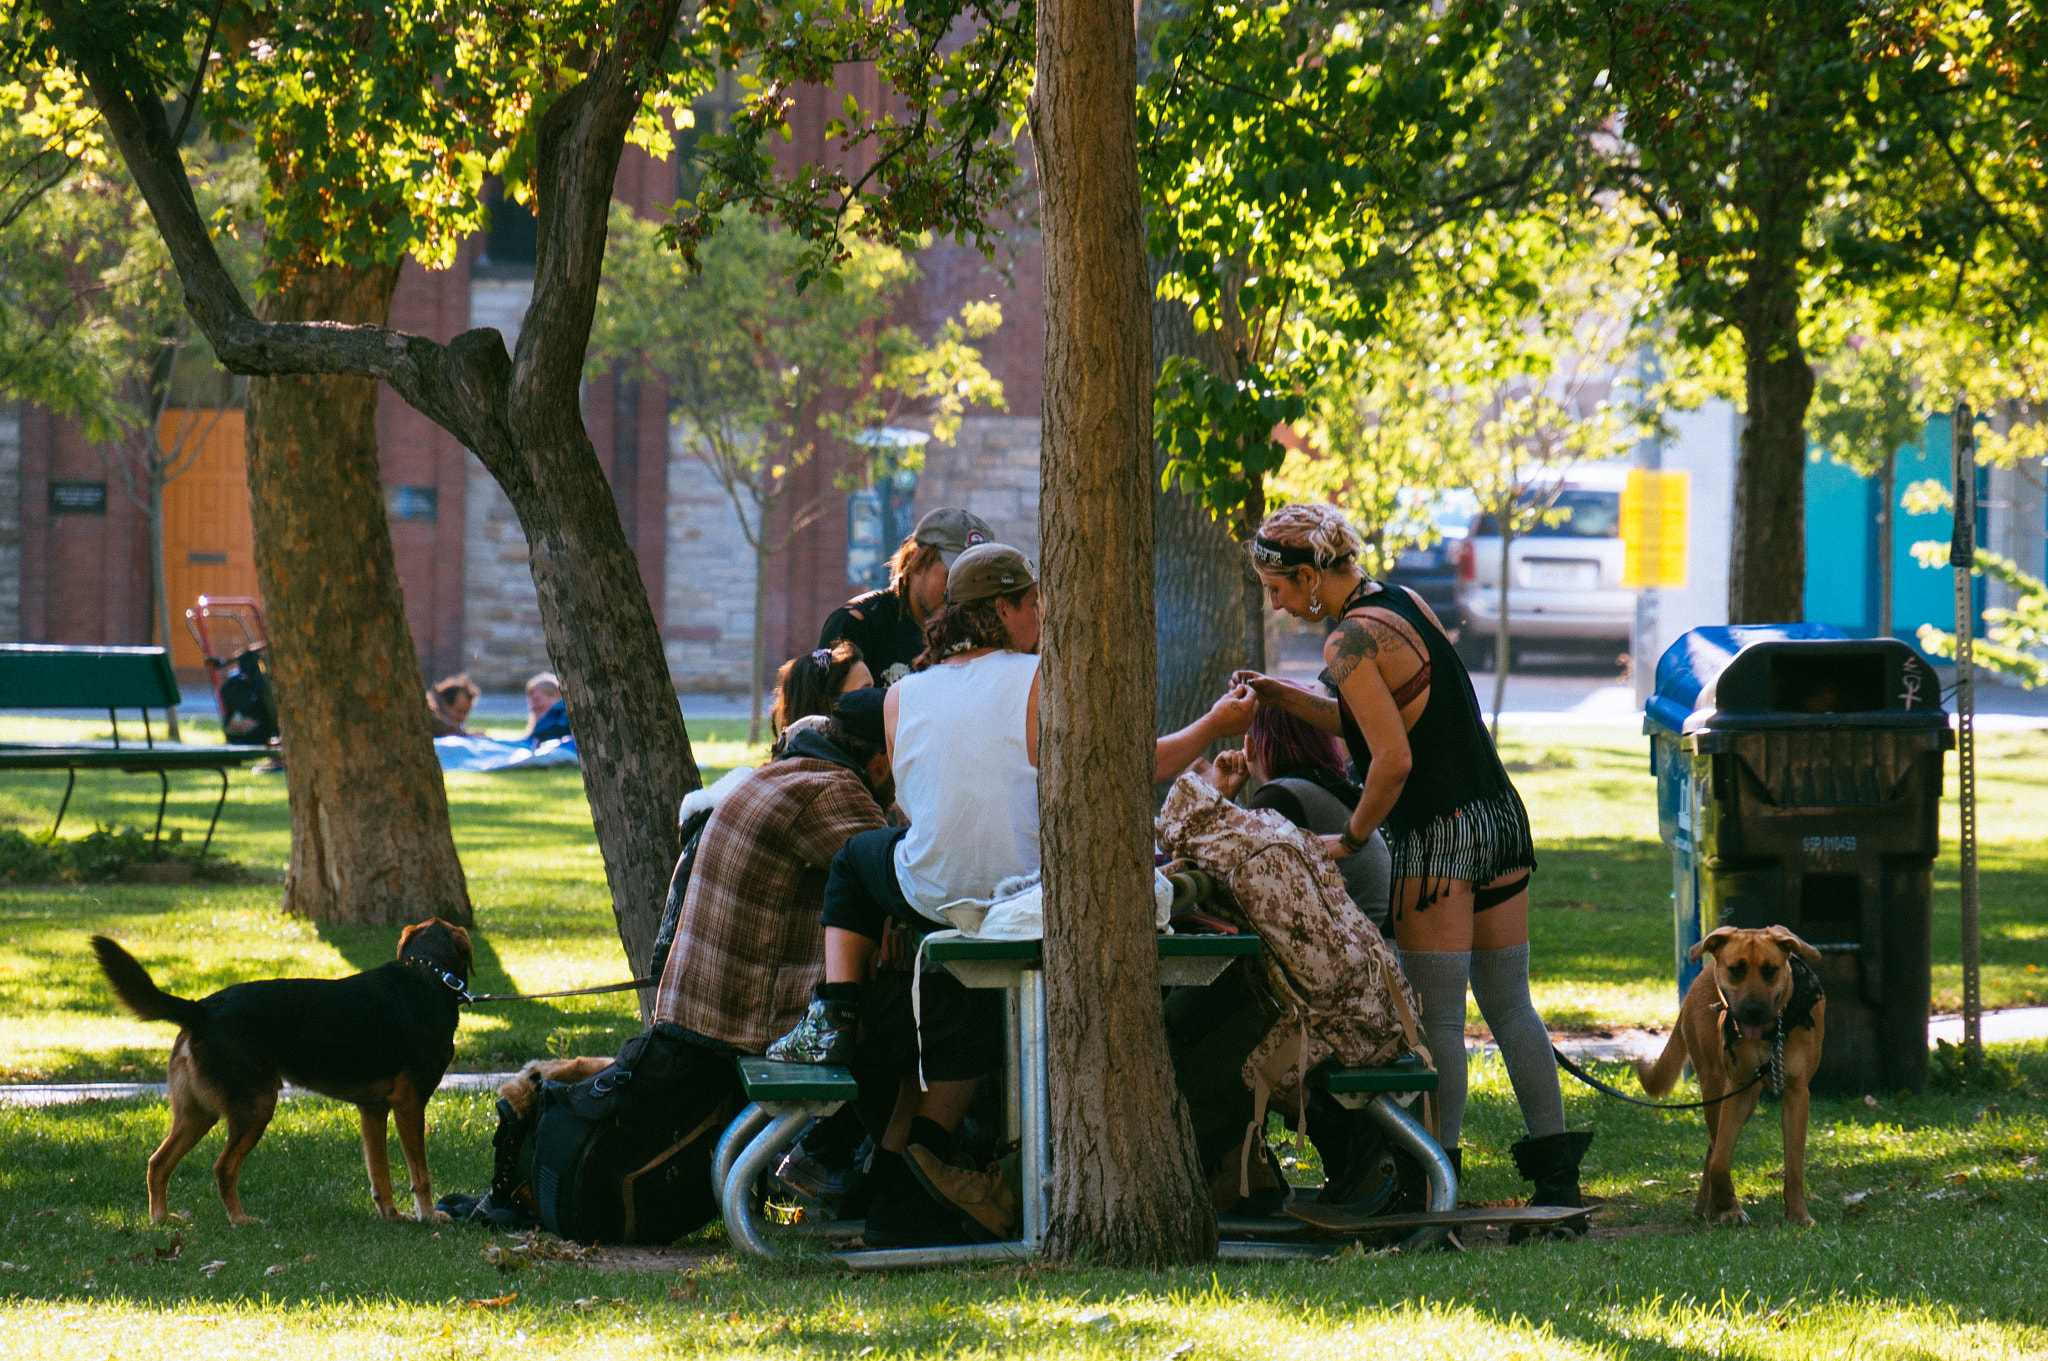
(952,532)
(860,713)
(986,570)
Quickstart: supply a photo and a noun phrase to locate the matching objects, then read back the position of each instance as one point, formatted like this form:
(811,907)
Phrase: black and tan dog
(380,1039)
(1754,994)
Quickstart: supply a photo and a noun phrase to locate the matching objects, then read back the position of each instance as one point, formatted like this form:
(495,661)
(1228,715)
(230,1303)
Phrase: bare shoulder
(1354,642)
(1424,604)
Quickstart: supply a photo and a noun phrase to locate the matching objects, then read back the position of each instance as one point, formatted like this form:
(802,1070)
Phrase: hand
(1232,714)
(1227,775)
(889,954)
(1336,847)
(1270,690)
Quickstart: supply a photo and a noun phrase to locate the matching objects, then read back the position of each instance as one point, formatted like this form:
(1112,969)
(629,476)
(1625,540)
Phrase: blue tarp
(489,753)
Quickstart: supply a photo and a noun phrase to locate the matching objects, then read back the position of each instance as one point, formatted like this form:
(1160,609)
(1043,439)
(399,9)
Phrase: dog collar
(1730,1037)
(452,982)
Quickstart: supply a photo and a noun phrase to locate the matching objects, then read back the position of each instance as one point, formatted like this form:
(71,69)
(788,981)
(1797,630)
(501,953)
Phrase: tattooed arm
(1352,654)
(1309,705)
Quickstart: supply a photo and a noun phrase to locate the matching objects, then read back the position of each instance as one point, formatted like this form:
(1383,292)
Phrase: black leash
(1619,1095)
(461,989)
(629,986)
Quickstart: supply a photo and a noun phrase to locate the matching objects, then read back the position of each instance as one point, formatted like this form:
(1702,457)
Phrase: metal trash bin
(1799,784)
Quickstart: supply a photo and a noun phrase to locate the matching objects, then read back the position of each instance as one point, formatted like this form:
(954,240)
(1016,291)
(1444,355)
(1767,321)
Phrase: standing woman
(1459,835)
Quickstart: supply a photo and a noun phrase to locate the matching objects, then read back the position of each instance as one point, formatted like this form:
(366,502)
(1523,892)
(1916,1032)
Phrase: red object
(225,627)
(1468,566)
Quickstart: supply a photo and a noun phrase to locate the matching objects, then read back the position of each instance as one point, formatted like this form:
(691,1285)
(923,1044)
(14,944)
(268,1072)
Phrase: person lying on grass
(962,736)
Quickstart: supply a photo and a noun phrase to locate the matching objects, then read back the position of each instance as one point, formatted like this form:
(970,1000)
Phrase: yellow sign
(1653,528)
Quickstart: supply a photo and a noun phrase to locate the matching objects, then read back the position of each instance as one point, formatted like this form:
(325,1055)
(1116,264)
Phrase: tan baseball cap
(952,532)
(986,570)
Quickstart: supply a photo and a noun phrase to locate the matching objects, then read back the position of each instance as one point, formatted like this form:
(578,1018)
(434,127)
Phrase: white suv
(1566,590)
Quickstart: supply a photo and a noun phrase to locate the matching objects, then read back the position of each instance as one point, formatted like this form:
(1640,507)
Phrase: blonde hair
(1318,527)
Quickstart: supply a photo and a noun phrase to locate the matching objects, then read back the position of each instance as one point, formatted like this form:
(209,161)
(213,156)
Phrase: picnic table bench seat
(52,676)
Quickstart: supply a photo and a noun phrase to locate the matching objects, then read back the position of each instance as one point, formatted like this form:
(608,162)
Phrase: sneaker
(829,1033)
(811,1174)
(986,1206)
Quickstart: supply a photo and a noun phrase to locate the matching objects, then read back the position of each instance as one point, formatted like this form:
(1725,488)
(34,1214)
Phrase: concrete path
(2000,1027)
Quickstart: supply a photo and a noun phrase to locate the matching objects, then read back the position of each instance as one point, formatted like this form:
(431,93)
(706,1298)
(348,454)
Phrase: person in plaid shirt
(750,949)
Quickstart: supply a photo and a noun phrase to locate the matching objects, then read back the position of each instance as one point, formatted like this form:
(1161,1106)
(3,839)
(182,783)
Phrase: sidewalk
(2000,1027)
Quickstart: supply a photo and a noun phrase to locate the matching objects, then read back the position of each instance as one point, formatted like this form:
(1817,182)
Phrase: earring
(1315,606)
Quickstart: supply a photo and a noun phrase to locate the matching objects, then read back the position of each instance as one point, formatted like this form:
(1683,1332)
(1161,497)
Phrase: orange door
(209,541)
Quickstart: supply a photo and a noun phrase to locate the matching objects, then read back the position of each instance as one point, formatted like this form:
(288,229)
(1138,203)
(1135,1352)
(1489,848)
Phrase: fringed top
(1456,770)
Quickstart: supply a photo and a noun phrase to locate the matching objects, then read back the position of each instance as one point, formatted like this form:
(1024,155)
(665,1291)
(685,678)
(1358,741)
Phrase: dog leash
(461,989)
(1619,1095)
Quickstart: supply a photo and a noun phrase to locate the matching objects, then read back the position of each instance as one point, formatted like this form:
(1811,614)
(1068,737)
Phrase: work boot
(984,1202)
(1552,1163)
(829,1033)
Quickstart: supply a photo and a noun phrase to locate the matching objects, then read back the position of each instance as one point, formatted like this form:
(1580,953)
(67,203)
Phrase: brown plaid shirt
(749,948)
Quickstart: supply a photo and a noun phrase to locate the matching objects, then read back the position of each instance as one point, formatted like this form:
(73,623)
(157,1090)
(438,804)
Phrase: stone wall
(10,522)
(502,641)
(708,628)
(991,470)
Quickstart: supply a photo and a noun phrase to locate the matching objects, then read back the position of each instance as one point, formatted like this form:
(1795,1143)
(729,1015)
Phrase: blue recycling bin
(1799,784)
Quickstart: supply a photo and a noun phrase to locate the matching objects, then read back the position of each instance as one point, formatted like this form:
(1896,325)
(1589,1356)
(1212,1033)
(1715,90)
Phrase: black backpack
(625,1155)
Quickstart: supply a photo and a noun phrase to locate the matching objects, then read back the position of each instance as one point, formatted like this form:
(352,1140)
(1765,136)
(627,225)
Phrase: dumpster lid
(1791,675)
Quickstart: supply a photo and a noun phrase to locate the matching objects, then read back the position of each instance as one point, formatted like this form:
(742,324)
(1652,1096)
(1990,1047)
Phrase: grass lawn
(1943,1257)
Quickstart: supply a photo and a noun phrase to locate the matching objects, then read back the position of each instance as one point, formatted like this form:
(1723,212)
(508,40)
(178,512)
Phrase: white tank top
(964,778)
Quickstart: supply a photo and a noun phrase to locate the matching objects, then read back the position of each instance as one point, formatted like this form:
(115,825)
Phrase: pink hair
(1279,742)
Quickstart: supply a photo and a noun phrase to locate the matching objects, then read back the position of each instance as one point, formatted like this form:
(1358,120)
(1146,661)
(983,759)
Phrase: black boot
(1552,1163)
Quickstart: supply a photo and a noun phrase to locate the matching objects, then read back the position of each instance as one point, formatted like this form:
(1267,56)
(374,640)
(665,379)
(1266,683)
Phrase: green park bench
(52,676)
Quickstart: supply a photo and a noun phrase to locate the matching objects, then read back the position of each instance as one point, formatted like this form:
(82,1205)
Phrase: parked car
(1430,569)
(1565,577)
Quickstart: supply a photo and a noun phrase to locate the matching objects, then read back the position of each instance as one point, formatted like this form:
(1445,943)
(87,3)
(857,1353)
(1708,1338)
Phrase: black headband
(1267,553)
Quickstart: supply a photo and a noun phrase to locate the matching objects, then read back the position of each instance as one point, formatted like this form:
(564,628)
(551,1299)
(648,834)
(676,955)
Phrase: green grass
(1941,1259)
(526,843)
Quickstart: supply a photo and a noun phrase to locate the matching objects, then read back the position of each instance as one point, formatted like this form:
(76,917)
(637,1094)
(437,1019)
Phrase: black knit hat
(860,713)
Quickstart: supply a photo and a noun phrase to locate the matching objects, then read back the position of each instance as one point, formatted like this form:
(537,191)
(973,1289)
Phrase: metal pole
(1962,556)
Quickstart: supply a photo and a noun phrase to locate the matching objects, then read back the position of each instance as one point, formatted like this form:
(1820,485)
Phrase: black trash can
(1799,784)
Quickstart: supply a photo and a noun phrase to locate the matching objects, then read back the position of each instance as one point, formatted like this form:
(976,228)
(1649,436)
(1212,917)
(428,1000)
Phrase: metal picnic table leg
(749,1122)
(1406,1131)
(737,1200)
(218,804)
(1037,1145)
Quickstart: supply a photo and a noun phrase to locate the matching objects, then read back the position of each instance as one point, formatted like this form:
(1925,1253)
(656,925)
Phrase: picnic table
(50,676)
(785,1097)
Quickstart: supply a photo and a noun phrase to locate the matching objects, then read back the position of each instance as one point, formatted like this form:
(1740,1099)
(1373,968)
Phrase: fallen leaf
(13,1266)
(40,1213)
(211,1269)
(1872,1102)
(1856,1197)
(497,1302)
(277,1270)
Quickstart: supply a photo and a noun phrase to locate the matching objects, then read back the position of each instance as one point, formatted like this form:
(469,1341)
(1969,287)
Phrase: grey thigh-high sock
(1438,977)
(1500,984)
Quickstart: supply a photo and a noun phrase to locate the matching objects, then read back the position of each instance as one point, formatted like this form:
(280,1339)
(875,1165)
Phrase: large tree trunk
(1127,1189)
(370,837)
(1767,559)
(1199,570)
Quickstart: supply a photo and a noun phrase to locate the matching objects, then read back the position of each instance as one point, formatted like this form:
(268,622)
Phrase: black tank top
(1456,769)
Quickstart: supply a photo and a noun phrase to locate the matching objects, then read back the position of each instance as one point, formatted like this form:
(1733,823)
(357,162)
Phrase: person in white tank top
(963,747)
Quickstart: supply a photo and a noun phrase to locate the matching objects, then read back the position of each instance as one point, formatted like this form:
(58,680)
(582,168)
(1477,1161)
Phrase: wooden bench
(46,676)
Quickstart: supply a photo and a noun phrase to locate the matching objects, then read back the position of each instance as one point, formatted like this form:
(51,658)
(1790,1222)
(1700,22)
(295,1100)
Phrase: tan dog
(1754,989)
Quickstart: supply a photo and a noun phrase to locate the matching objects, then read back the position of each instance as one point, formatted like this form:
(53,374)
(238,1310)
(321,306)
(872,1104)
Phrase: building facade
(74,548)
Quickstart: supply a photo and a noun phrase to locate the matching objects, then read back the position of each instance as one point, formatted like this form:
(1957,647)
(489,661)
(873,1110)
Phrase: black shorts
(862,892)
(963,1030)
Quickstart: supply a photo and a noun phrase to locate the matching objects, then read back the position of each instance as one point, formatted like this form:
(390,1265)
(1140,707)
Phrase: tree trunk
(1199,571)
(1767,558)
(1127,1189)
(1503,624)
(159,596)
(758,663)
(370,836)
